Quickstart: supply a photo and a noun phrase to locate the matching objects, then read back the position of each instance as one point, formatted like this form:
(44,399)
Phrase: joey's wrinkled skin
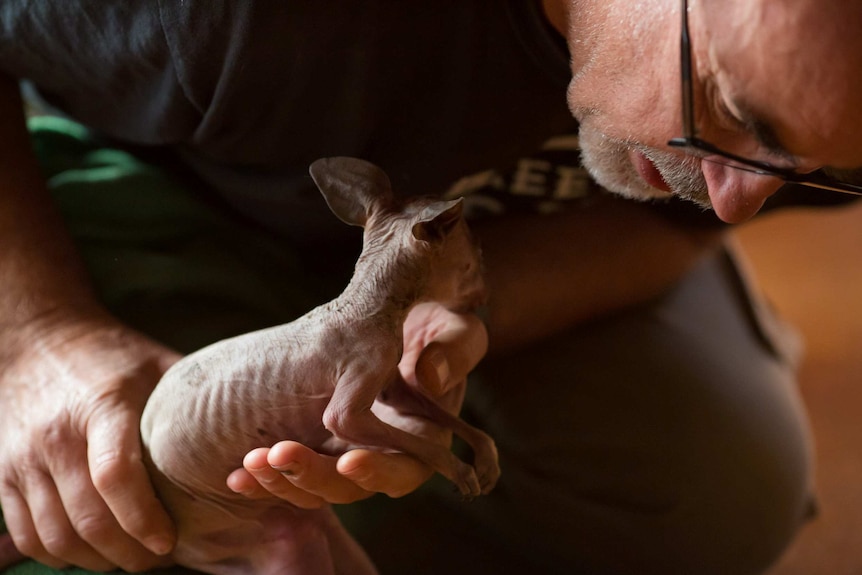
(315,381)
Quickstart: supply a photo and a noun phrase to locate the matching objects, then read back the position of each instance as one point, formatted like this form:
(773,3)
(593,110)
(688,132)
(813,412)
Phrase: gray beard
(608,162)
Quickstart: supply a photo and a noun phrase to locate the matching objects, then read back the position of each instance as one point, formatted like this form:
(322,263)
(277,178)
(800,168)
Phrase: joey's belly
(198,443)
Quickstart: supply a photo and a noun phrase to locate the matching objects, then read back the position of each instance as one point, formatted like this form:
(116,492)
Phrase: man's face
(774,80)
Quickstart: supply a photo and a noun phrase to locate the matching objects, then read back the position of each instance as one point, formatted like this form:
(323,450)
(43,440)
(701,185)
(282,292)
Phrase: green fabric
(162,259)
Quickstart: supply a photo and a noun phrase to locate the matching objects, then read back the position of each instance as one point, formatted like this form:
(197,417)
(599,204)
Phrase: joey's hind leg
(411,401)
(349,417)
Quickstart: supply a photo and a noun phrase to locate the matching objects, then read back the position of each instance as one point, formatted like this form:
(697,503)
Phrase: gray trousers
(668,438)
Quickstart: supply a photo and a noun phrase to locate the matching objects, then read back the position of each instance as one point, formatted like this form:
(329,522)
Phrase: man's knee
(668,440)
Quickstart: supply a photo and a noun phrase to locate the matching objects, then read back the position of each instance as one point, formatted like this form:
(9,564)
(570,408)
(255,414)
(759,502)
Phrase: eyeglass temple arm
(688,130)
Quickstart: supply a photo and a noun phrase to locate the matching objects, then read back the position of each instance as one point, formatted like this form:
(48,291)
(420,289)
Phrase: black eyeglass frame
(691,141)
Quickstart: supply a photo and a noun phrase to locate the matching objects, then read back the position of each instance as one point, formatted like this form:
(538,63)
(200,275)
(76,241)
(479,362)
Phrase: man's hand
(9,554)
(440,349)
(73,486)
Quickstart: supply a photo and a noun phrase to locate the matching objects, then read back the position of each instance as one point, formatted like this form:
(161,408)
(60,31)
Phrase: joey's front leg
(350,418)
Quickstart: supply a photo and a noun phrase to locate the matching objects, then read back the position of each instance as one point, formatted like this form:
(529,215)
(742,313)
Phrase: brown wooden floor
(810,265)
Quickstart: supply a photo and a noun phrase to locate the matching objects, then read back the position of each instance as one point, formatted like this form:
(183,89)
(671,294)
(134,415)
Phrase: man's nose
(737,195)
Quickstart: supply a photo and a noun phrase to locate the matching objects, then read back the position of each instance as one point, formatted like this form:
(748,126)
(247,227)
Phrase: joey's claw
(489,473)
(465,496)
(486,463)
(488,478)
(467,482)
(488,484)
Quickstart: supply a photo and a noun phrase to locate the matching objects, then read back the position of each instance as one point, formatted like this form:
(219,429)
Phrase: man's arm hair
(39,267)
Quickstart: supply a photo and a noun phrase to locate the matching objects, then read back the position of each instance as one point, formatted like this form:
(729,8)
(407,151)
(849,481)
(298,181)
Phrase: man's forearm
(40,270)
(549,273)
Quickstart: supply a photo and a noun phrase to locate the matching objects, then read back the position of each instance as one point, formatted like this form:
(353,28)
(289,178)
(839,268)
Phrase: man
(641,397)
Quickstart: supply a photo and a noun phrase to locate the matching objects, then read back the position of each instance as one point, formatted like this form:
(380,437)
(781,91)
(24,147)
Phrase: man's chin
(612,170)
(641,194)
(646,193)
(609,162)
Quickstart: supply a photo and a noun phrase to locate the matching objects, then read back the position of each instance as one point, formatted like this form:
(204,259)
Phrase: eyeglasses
(698,147)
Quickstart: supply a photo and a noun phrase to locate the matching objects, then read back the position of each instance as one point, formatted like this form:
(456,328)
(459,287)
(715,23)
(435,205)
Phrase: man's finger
(19,522)
(9,554)
(394,474)
(57,538)
(314,473)
(242,482)
(119,475)
(93,521)
(258,480)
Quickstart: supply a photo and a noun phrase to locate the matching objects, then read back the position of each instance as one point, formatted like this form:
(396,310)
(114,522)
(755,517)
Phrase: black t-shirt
(247,93)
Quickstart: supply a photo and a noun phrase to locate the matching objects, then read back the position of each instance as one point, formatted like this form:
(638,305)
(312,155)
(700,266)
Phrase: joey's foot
(488,476)
(487,466)
(466,481)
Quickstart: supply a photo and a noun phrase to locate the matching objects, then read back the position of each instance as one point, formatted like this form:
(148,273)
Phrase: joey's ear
(437,220)
(352,187)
